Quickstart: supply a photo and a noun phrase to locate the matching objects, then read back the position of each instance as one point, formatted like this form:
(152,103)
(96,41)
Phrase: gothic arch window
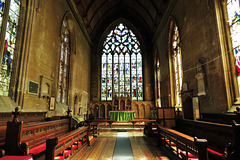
(9,42)
(121,65)
(233,10)
(63,80)
(176,65)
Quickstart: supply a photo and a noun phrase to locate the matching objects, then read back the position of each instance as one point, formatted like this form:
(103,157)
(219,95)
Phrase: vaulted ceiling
(145,15)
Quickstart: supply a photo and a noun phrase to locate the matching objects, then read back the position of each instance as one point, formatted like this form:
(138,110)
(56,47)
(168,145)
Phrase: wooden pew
(26,117)
(186,146)
(218,135)
(64,145)
(110,122)
(3,127)
(30,138)
(141,120)
(17,158)
(150,128)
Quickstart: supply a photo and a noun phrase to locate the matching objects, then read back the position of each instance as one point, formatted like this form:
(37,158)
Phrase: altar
(124,115)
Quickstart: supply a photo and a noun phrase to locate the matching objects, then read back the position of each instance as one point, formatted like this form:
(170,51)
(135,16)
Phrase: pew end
(90,140)
(2,153)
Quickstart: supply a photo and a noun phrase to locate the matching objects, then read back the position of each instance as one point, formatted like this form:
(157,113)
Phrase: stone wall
(199,41)
(44,56)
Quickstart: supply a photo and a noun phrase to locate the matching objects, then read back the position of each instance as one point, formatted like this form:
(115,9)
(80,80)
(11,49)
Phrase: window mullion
(112,73)
(124,72)
(130,64)
(107,77)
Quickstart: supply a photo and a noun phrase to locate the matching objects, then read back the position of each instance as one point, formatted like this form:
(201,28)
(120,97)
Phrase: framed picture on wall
(52,104)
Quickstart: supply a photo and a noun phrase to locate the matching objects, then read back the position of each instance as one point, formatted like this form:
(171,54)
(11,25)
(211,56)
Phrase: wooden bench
(3,127)
(141,120)
(26,117)
(218,135)
(17,158)
(31,138)
(150,128)
(110,122)
(94,128)
(64,145)
(185,146)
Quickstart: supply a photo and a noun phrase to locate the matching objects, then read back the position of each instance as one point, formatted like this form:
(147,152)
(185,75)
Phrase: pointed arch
(175,64)
(121,65)
(68,47)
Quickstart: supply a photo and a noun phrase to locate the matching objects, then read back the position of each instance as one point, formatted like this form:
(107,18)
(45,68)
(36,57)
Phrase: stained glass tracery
(121,65)
(64,64)
(177,65)
(233,8)
(9,46)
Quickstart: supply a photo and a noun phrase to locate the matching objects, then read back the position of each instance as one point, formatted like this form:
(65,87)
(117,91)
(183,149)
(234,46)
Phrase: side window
(176,62)
(63,80)
(9,45)
(233,11)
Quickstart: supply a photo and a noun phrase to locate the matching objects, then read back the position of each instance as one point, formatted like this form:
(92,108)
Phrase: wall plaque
(32,87)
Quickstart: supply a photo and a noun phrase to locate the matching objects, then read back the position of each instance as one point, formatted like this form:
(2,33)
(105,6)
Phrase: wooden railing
(58,145)
(183,142)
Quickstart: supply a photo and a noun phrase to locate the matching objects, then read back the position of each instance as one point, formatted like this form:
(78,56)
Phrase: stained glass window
(64,64)
(10,40)
(121,65)
(2,6)
(177,65)
(233,8)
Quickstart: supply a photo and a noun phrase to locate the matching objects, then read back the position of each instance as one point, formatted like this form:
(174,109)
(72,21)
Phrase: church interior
(120,79)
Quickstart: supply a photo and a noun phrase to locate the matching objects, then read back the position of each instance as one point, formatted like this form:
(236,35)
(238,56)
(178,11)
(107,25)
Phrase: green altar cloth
(122,115)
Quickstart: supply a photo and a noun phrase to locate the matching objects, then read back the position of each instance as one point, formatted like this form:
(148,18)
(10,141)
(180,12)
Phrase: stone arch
(128,104)
(115,104)
(68,15)
(122,105)
(108,109)
(147,111)
(142,111)
(135,108)
(102,111)
(95,111)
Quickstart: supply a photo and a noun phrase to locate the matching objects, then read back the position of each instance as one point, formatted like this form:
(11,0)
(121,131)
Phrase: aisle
(123,149)
(145,148)
(101,149)
(112,145)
